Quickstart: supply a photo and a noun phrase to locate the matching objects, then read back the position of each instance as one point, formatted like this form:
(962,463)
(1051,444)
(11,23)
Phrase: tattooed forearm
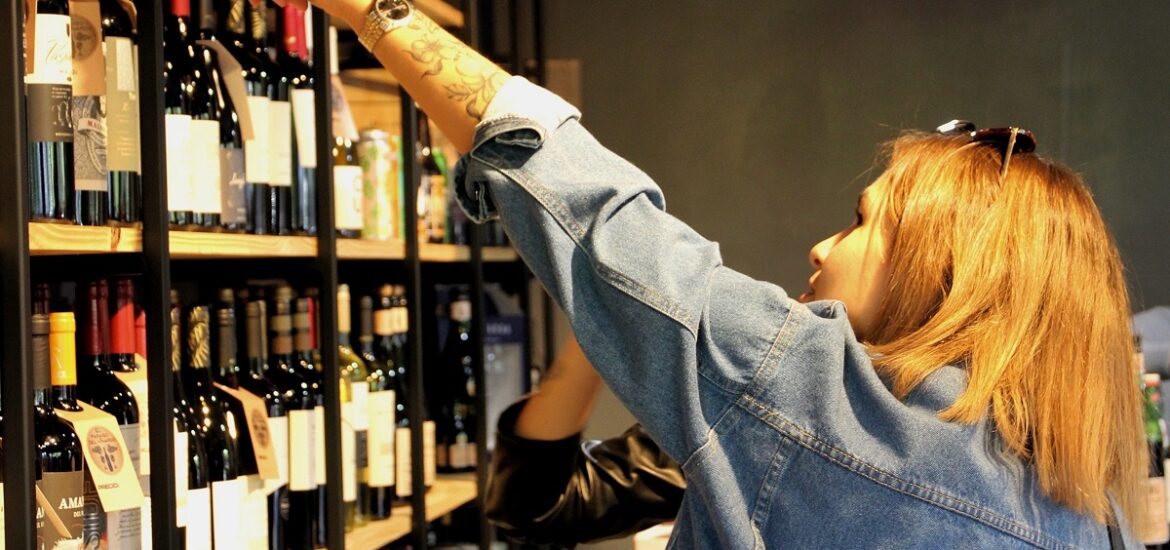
(470,80)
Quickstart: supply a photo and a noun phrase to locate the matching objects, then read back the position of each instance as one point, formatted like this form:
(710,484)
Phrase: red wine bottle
(304,364)
(88,111)
(279,124)
(233,34)
(59,456)
(192,477)
(49,96)
(233,209)
(455,448)
(294,60)
(381,402)
(255,381)
(123,158)
(179,83)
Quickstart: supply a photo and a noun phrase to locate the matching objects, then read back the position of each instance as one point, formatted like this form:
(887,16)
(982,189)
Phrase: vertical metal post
(411,174)
(19,519)
(327,266)
(156,276)
(538,40)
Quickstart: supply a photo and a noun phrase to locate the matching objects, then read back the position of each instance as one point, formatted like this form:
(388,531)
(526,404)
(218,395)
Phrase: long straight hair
(1018,279)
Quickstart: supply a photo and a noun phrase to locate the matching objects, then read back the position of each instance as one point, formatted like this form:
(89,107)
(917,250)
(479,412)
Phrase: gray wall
(760,119)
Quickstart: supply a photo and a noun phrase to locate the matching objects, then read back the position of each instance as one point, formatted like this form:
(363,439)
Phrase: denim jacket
(787,436)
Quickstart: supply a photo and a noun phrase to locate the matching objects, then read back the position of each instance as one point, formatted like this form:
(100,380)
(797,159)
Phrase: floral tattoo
(478,81)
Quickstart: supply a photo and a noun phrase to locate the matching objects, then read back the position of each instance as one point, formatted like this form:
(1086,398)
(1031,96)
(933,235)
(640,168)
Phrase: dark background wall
(760,119)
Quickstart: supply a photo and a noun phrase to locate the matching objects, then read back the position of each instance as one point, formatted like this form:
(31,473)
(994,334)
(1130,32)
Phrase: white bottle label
(256,512)
(402,456)
(380,440)
(178,135)
(256,150)
(278,428)
(348,454)
(206,186)
(280,144)
(400,320)
(457,453)
(199,519)
(52,53)
(305,126)
(360,411)
(319,476)
(227,505)
(122,140)
(429,453)
(182,473)
(147,532)
(347,197)
(301,454)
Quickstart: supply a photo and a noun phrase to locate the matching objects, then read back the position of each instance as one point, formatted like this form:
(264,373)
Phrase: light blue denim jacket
(787,436)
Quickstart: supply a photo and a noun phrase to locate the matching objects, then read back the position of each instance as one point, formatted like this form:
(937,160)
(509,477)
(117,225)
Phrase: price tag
(136,381)
(256,415)
(106,456)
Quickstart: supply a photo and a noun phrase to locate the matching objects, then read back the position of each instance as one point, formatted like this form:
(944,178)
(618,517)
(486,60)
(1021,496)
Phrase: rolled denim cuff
(521,114)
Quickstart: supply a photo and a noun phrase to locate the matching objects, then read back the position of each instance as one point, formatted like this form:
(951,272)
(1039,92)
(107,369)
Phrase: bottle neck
(234,20)
(122,328)
(258,25)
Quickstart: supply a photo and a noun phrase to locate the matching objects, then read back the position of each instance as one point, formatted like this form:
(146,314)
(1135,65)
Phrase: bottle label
(122,129)
(384,322)
(429,453)
(136,381)
(182,475)
(49,112)
(199,519)
(302,455)
(361,421)
(278,428)
(402,454)
(256,150)
(256,418)
(178,135)
(400,320)
(234,209)
(206,189)
(381,472)
(52,54)
(255,512)
(227,505)
(348,454)
(461,311)
(88,105)
(147,533)
(305,126)
(458,456)
(1153,527)
(125,527)
(347,197)
(61,525)
(280,144)
(107,457)
(89,143)
(319,476)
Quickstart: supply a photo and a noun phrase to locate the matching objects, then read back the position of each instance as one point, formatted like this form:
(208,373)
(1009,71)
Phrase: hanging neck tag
(106,457)
(256,416)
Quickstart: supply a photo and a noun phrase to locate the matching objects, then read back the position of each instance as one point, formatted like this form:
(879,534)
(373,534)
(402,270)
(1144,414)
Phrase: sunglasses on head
(1009,140)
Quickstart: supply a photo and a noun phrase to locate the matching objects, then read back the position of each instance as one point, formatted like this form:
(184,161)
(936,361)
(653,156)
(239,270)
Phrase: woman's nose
(820,251)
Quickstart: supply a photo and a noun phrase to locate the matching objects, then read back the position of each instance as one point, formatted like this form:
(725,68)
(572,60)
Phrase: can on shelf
(378,155)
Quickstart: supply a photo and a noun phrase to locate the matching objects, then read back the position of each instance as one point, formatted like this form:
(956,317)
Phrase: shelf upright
(411,174)
(19,519)
(156,275)
(326,264)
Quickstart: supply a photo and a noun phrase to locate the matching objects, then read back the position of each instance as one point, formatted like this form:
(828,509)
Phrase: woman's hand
(562,405)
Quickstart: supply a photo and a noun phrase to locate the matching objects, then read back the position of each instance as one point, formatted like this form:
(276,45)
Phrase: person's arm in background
(450,81)
(549,487)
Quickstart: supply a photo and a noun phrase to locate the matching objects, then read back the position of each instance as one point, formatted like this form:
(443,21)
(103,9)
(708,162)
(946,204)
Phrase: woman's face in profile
(852,266)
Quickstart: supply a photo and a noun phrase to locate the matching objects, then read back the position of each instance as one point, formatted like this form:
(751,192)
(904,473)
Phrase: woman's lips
(806,297)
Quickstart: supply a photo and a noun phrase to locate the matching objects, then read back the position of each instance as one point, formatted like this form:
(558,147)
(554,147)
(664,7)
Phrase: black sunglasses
(1009,140)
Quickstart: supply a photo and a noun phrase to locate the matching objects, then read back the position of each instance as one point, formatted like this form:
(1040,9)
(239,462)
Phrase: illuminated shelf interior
(448,493)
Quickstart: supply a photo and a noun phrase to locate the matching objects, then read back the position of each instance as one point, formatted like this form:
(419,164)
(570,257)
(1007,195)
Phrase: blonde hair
(1020,281)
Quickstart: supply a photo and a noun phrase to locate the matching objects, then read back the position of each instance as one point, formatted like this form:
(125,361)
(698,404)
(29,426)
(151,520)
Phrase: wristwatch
(384,16)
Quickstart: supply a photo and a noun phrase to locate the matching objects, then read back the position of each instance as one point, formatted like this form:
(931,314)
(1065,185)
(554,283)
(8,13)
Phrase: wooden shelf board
(459,253)
(449,492)
(364,249)
(194,244)
(54,239)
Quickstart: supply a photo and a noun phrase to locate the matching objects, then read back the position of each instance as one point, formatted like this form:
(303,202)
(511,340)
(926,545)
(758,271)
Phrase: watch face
(393,9)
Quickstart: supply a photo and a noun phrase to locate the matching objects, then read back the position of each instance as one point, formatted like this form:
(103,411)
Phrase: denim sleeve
(635,282)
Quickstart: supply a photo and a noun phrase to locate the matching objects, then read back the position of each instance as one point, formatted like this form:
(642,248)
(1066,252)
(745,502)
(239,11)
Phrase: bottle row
(240,130)
(249,423)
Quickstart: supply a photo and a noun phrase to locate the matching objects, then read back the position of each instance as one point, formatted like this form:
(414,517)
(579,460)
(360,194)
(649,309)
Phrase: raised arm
(452,82)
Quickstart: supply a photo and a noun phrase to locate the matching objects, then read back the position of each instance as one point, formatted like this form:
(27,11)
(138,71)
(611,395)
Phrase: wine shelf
(448,493)
(52,239)
(443,13)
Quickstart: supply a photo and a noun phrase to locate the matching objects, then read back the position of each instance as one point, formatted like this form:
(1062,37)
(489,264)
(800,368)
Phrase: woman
(958,373)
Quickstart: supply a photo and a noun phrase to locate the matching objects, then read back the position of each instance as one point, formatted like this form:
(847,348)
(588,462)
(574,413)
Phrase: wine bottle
(432,193)
(347,173)
(216,428)
(59,455)
(401,350)
(233,34)
(125,367)
(304,365)
(356,412)
(301,402)
(233,209)
(123,159)
(88,112)
(206,135)
(279,125)
(101,388)
(254,380)
(49,97)
(1153,527)
(192,477)
(382,408)
(455,448)
(294,59)
(179,82)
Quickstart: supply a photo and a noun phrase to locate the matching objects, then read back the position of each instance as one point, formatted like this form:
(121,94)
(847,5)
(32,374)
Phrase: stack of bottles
(1153,527)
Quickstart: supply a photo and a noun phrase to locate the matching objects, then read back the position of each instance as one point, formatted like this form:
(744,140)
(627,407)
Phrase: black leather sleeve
(571,491)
